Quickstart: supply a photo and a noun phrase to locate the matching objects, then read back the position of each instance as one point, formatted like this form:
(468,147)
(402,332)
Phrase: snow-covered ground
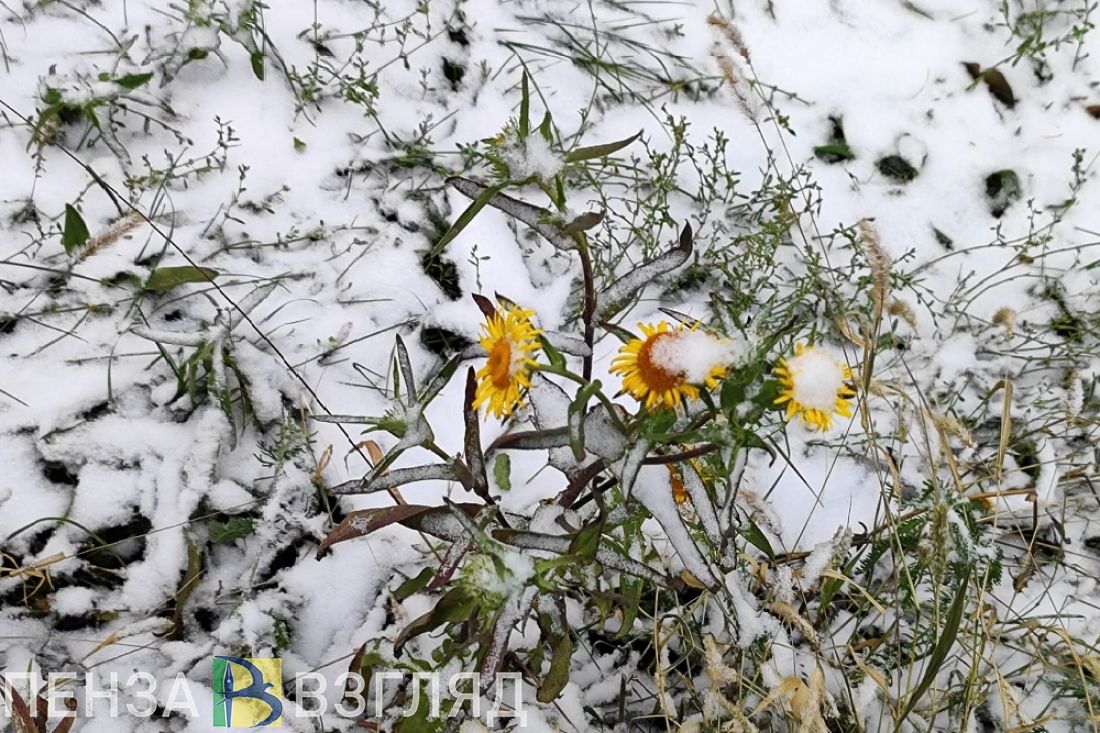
(288,165)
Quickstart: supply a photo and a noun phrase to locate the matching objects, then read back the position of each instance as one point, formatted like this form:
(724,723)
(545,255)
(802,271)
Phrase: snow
(316,217)
(825,494)
(74,601)
(533,157)
(654,490)
(693,354)
(817,377)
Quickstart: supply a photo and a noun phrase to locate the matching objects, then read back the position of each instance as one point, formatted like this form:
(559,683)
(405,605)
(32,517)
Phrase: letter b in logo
(248,693)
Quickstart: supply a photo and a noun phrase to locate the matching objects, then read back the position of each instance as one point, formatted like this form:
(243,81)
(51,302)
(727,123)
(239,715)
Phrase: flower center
(654,374)
(500,364)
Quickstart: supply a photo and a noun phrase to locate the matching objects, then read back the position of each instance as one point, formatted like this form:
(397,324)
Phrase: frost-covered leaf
(400,476)
(415,516)
(654,490)
(535,217)
(619,294)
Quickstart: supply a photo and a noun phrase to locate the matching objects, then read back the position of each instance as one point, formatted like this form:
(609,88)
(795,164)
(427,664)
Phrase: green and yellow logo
(248,693)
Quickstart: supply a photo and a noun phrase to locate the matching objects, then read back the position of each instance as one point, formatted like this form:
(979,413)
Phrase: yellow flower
(508,339)
(814,387)
(660,369)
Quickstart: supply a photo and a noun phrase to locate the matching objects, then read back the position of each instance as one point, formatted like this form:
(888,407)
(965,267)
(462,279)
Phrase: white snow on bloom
(818,378)
(694,354)
(533,157)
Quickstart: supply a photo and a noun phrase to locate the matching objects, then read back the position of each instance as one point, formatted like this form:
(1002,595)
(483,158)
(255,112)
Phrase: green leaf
(948,635)
(524,108)
(421,720)
(768,394)
(758,539)
(555,680)
(166,278)
(546,128)
(502,472)
(599,151)
(455,605)
(466,217)
(632,589)
(299,145)
(257,59)
(587,540)
(556,359)
(76,231)
(282,635)
(577,409)
(412,585)
(231,530)
(834,152)
(133,81)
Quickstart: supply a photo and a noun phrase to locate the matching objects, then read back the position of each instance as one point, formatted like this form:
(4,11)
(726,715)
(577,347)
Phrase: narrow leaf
(165,278)
(406,371)
(577,409)
(758,539)
(618,295)
(533,216)
(455,605)
(555,680)
(133,81)
(466,217)
(939,654)
(524,108)
(257,60)
(599,151)
(413,585)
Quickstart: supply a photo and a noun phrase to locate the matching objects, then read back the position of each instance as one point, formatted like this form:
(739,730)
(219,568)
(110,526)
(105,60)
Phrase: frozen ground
(159,505)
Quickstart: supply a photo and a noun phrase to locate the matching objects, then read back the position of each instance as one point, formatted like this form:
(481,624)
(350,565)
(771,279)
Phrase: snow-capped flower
(814,387)
(508,339)
(666,365)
